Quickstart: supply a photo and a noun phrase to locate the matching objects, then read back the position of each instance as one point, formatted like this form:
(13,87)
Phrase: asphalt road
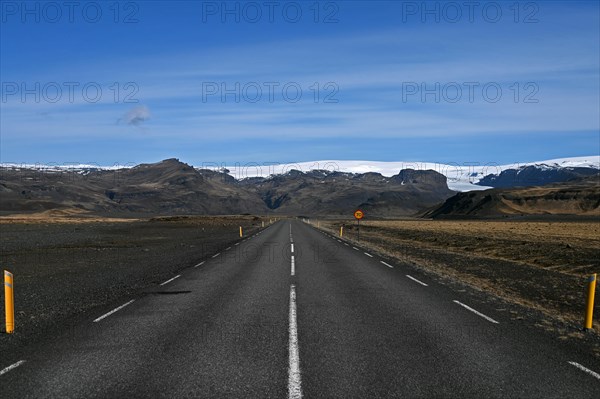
(323,319)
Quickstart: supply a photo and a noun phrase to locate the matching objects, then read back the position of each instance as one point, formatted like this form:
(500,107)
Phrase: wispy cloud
(136,116)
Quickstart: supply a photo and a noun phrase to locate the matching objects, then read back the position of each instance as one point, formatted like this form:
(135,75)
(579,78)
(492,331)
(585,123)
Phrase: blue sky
(396,81)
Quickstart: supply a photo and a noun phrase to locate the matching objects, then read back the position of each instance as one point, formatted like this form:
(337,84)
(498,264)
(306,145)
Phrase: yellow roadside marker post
(590,301)
(241,233)
(9,302)
(341,231)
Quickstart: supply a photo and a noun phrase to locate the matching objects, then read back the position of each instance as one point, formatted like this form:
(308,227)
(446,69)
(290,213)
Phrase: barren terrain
(65,265)
(541,265)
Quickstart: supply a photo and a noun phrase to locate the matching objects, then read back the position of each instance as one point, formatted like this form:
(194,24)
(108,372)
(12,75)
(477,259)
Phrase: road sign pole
(358,214)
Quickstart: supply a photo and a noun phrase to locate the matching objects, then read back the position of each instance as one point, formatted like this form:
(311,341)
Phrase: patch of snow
(463,187)
(74,167)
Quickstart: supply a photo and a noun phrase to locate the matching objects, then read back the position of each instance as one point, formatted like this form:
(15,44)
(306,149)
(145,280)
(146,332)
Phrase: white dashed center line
(387,264)
(293,266)
(294,380)
(369,255)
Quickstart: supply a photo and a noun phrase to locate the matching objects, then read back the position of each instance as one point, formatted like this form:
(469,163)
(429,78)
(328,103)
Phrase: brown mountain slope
(336,193)
(172,187)
(580,197)
(167,187)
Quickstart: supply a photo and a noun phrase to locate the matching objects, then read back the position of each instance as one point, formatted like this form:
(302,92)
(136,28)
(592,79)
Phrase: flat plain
(65,266)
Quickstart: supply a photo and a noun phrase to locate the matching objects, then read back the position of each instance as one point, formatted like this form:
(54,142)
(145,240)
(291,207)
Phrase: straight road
(294,312)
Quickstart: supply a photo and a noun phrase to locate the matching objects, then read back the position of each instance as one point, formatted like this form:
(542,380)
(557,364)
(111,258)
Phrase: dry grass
(68,216)
(78,216)
(568,247)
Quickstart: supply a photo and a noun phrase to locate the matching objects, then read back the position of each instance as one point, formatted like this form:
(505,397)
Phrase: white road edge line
(113,311)
(237,243)
(294,380)
(387,264)
(215,255)
(11,367)
(580,367)
(227,249)
(169,280)
(417,281)
(199,264)
(369,255)
(355,248)
(346,244)
(476,312)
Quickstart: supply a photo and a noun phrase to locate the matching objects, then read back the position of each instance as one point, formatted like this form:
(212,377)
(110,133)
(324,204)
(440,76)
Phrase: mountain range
(465,176)
(333,188)
(173,187)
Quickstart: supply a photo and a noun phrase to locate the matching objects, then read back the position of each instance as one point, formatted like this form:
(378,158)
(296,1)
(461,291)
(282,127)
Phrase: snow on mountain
(576,162)
(461,177)
(66,167)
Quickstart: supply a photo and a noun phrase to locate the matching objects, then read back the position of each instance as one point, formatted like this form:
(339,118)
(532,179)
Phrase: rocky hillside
(172,187)
(167,187)
(320,192)
(579,197)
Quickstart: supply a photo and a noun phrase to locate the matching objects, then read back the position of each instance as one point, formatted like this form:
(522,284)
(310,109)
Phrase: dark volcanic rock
(535,176)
